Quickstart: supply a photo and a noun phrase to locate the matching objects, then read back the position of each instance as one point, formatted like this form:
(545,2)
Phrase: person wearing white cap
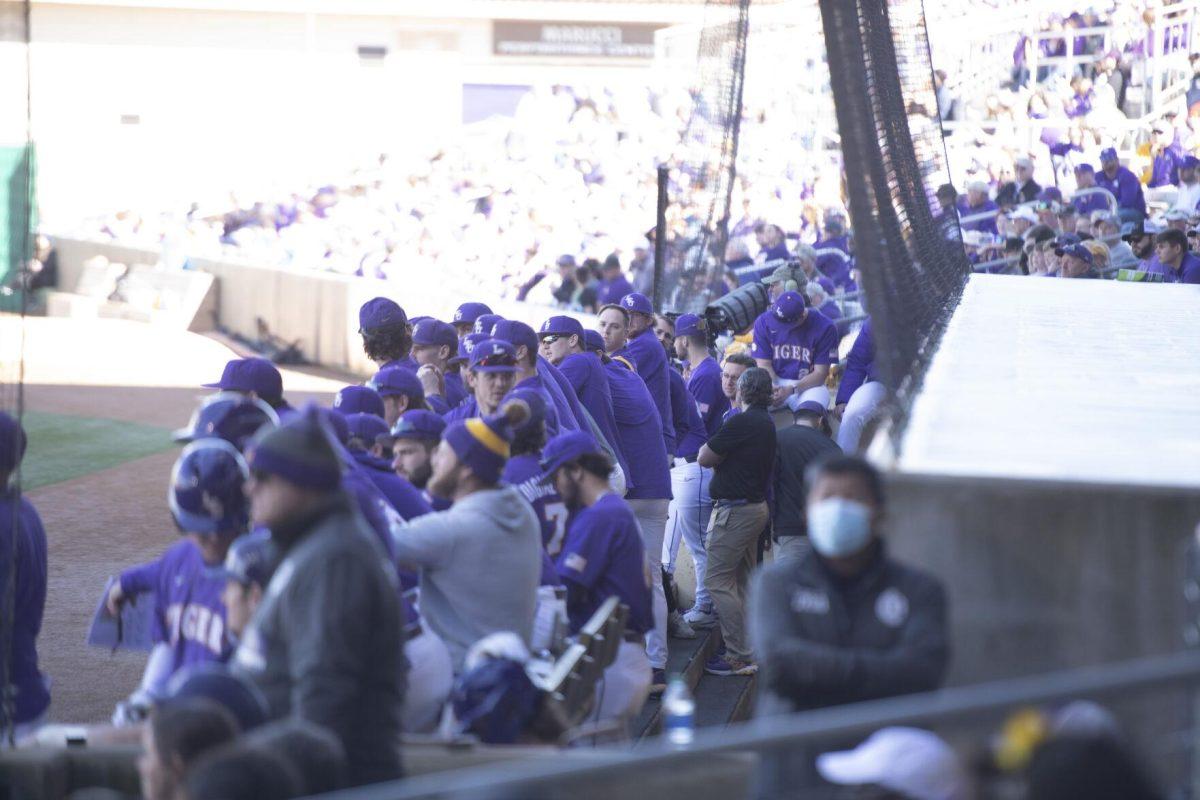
(906,763)
(795,448)
(1022,218)
(1177,218)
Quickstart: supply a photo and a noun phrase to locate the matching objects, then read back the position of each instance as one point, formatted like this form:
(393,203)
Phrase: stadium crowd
(413,559)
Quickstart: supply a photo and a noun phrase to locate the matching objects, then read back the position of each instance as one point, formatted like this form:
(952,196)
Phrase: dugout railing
(1151,699)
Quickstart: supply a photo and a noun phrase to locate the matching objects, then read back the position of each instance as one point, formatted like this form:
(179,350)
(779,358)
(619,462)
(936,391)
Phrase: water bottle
(679,713)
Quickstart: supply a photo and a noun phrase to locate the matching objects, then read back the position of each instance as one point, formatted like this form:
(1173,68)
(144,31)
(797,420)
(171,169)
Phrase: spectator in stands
(737,257)
(1024,189)
(588,297)
(947,218)
(1123,185)
(1085,178)
(1076,261)
(977,205)
(564,292)
(313,752)
(1033,262)
(1094,766)
(327,646)
(1100,255)
(415,435)
(1175,263)
(796,447)
(771,242)
(603,556)
(1106,228)
(1022,219)
(1188,197)
(1166,156)
(906,763)
(1178,219)
(741,455)
(834,235)
(23,559)
(386,338)
(178,733)
(891,637)
(237,772)
(613,284)
(819,299)
(488,523)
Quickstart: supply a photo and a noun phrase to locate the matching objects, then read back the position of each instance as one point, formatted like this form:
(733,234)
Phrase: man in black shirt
(797,447)
(741,454)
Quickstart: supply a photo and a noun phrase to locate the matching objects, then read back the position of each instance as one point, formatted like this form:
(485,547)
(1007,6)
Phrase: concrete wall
(1048,576)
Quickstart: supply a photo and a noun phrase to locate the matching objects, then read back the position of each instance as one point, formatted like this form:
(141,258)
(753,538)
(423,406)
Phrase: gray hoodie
(480,563)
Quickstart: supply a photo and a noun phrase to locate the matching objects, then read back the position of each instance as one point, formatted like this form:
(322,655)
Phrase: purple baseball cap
(396,381)
(537,406)
(365,427)
(358,400)
(12,442)
(561,326)
(1108,154)
(1077,250)
(250,560)
(1085,168)
(690,325)
(1189,162)
(637,302)
(467,313)
(464,347)
(493,355)
(567,447)
(434,332)
(789,307)
(516,333)
(592,340)
(380,312)
(419,424)
(485,322)
(256,375)
(1050,194)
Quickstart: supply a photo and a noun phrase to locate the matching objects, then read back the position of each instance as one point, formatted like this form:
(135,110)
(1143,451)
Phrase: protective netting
(703,174)
(912,262)
(16,246)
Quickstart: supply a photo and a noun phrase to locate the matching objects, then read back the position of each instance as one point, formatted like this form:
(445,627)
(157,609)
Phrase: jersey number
(556,514)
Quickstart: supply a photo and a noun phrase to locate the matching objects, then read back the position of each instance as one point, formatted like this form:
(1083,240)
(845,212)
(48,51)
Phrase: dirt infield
(104,521)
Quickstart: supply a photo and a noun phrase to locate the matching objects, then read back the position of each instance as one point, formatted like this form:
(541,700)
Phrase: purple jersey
(705,385)
(525,473)
(465,410)
(640,430)
(456,390)
(611,292)
(566,404)
(586,375)
(401,494)
(860,365)
(188,613)
(795,348)
(603,556)
(650,360)
(690,432)
(1124,186)
(32,695)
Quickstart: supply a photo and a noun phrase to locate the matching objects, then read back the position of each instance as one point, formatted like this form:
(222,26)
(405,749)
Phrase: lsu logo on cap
(497,350)
(627,301)
(545,326)
(458,315)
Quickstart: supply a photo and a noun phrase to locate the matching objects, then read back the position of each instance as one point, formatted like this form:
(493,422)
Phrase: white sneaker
(701,618)
(678,627)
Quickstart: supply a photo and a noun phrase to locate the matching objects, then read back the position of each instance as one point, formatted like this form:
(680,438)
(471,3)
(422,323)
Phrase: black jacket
(326,644)
(824,641)
(1011,195)
(795,448)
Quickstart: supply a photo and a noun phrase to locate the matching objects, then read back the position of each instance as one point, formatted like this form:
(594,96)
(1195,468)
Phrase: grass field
(62,447)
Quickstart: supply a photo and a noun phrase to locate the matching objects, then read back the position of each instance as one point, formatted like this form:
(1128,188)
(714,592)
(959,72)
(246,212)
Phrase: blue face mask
(838,527)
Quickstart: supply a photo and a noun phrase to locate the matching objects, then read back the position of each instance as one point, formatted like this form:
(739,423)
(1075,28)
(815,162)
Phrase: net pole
(660,237)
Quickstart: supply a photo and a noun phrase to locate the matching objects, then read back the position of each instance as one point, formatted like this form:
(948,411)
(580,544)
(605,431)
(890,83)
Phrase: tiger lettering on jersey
(192,622)
(793,352)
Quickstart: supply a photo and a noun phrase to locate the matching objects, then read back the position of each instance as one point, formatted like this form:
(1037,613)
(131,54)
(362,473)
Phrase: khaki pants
(732,550)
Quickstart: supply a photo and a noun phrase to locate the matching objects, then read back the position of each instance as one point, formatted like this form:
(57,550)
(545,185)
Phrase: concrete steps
(719,700)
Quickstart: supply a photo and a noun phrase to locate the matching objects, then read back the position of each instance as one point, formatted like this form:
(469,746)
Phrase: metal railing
(532,778)
(986,215)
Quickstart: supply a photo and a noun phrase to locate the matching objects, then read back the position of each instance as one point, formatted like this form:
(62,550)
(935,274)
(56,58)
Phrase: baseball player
(210,509)
(364,430)
(401,391)
(639,428)
(434,342)
(27,541)
(562,344)
(860,392)
(414,437)
(359,400)
(651,361)
(794,344)
(256,378)
(603,556)
(525,343)
(493,369)
(386,338)
(485,323)
(465,316)
(247,571)
(704,374)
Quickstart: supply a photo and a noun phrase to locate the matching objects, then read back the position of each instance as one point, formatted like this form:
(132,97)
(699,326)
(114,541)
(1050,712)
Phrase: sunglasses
(553,337)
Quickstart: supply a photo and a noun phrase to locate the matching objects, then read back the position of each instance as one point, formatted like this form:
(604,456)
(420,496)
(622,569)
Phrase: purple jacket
(1126,188)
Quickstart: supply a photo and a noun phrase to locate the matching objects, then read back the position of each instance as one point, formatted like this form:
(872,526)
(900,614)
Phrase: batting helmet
(206,488)
(230,416)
